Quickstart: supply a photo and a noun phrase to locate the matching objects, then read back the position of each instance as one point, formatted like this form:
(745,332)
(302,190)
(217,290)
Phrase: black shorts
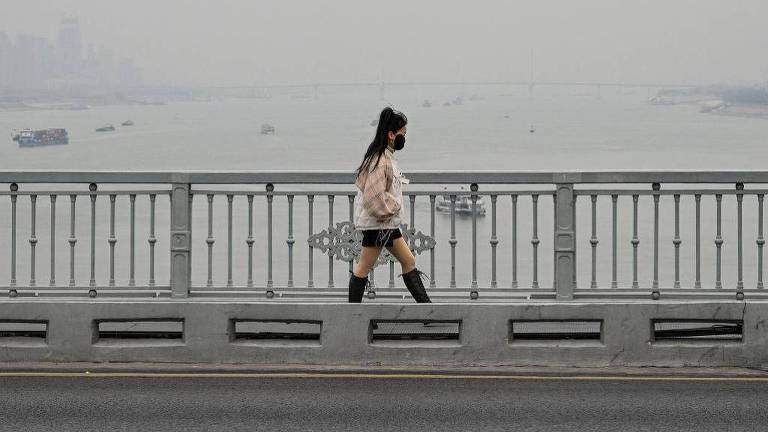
(380,237)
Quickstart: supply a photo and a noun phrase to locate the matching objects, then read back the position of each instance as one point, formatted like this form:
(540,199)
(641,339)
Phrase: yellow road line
(303,375)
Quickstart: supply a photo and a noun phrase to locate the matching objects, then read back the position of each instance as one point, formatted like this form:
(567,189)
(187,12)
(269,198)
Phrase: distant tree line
(745,95)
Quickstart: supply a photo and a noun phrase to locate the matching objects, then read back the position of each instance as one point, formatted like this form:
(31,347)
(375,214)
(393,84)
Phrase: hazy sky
(190,42)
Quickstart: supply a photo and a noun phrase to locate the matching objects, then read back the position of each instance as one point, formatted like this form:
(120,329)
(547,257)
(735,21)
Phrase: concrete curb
(303,369)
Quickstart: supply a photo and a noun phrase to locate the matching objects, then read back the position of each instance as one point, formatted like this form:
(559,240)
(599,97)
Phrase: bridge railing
(95,241)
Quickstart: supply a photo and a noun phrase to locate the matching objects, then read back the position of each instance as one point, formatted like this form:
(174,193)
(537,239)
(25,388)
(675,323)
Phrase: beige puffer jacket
(379,196)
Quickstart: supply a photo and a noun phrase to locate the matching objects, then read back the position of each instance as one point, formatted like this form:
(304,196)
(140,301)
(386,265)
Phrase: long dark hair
(390,120)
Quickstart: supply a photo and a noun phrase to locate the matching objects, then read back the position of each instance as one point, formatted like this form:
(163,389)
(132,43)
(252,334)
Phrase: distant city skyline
(245,42)
(32,62)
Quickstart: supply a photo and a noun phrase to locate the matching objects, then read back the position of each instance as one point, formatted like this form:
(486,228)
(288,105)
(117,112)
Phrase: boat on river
(463,204)
(43,137)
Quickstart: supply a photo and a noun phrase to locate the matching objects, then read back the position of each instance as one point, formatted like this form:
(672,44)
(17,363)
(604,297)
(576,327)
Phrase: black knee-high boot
(415,286)
(356,288)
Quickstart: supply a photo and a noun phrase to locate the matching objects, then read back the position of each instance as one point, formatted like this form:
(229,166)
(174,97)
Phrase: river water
(575,128)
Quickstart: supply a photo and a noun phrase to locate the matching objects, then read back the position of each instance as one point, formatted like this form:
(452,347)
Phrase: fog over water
(576,128)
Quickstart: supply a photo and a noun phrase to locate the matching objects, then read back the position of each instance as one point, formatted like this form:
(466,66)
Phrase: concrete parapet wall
(626,333)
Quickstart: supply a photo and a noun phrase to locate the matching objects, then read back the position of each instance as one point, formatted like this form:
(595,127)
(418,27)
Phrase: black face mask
(399,142)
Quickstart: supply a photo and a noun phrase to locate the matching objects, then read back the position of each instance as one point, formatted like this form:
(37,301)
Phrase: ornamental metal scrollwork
(344,242)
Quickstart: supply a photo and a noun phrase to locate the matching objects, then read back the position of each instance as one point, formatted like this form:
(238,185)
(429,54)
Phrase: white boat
(463,204)
(267,129)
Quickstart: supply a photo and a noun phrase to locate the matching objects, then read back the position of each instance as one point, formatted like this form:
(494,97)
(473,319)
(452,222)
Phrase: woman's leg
(403,253)
(368,258)
(411,276)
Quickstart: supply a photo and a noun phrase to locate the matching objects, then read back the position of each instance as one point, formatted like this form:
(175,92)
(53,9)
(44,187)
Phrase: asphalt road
(304,403)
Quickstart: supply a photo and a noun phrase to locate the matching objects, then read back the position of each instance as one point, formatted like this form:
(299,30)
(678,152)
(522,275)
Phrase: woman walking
(377,208)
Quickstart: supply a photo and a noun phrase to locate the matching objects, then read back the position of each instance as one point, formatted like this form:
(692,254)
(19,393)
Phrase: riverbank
(750,111)
(74,106)
(733,101)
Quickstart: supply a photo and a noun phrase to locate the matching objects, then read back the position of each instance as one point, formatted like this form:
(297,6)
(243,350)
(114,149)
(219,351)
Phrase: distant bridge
(458,83)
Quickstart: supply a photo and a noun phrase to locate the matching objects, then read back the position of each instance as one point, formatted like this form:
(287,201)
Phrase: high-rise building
(70,47)
(32,62)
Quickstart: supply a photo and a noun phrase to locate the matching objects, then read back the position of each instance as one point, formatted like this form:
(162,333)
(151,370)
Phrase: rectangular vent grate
(418,330)
(549,330)
(23,329)
(164,329)
(277,330)
(698,330)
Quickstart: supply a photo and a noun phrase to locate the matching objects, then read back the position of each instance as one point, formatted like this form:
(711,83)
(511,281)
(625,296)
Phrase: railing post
(181,231)
(565,241)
